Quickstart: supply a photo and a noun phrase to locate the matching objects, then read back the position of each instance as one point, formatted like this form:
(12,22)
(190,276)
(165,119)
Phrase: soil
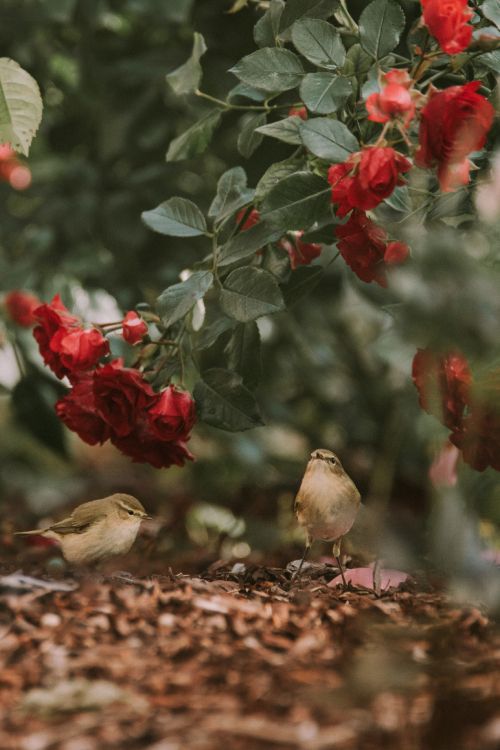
(239,658)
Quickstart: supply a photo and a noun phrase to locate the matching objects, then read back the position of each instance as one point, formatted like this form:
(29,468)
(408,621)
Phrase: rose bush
(374,115)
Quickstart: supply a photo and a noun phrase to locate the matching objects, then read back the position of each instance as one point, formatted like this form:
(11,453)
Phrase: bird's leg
(336,554)
(306,552)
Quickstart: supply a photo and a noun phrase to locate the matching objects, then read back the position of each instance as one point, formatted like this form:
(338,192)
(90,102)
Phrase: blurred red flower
(121,396)
(447,21)
(298,112)
(20,306)
(363,245)
(453,123)
(366,178)
(300,253)
(134,328)
(443,383)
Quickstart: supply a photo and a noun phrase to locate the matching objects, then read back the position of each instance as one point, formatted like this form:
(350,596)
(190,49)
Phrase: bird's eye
(131,512)
(333,460)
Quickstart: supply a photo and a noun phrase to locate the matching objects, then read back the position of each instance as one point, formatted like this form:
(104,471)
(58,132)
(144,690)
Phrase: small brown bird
(327,503)
(97,529)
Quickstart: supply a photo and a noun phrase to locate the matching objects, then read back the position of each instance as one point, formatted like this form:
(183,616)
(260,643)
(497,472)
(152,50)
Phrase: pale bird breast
(328,504)
(103,539)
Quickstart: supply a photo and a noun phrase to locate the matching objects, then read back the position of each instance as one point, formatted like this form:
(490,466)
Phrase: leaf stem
(241,107)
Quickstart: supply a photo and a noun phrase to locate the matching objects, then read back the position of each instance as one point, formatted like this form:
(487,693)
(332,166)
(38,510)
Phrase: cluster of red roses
(107,401)
(300,253)
(453,123)
(11,170)
(469,408)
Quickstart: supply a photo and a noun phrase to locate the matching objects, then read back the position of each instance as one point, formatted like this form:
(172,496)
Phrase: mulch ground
(243,661)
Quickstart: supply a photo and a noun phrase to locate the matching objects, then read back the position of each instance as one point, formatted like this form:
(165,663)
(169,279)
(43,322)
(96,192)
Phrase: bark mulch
(242,661)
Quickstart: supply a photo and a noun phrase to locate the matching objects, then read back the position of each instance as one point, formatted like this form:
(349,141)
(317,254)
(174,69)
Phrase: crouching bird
(97,530)
(327,503)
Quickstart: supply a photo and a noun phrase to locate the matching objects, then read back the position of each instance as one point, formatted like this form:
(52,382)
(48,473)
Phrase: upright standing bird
(97,529)
(327,503)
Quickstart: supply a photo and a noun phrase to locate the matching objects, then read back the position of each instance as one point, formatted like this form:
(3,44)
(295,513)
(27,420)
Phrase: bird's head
(324,460)
(129,507)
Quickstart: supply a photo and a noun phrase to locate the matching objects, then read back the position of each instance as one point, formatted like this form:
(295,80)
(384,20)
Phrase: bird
(326,504)
(97,529)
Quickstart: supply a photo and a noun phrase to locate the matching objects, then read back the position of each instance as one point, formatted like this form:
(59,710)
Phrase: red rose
(51,318)
(396,253)
(79,349)
(362,245)
(447,21)
(142,447)
(134,328)
(443,384)
(300,253)
(173,415)
(366,178)
(298,112)
(252,219)
(21,306)
(79,413)
(453,123)
(121,396)
(394,99)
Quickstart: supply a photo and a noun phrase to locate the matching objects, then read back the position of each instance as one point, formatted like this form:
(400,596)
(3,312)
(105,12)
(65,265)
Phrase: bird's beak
(145,517)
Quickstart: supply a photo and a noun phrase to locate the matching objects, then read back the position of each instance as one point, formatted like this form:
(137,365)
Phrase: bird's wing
(79,521)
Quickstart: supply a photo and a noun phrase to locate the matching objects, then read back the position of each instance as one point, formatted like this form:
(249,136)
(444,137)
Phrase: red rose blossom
(173,415)
(121,396)
(394,100)
(300,253)
(78,410)
(366,178)
(396,253)
(453,123)
(134,328)
(443,383)
(51,318)
(298,112)
(20,306)
(447,21)
(79,349)
(143,447)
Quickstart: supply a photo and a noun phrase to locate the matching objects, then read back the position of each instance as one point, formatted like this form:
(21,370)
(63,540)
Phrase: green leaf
(223,401)
(176,217)
(319,42)
(20,106)
(275,173)
(328,139)
(249,293)
(195,139)
(302,281)
(380,26)
(270,69)
(491,10)
(491,60)
(232,193)
(246,92)
(357,63)
(266,29)
(33,401)
(212,330)
(286,130)
(243,353)
(399,200)
(177,300)
(297,9)
(296,202)
(325,93)
(249,137)
(186,78)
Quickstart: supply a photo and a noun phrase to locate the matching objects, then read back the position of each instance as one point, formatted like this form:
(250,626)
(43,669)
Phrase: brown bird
(327,503)
(97,529)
